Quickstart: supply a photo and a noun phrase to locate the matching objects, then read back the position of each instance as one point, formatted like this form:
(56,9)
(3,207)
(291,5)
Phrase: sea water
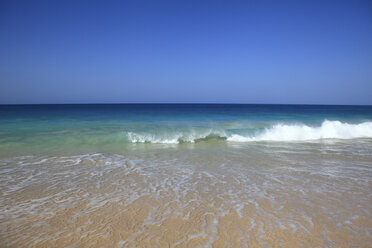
(193,175)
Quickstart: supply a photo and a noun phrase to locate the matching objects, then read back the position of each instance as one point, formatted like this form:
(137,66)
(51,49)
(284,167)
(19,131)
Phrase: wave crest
(175,138)
(278,132)
(300,132)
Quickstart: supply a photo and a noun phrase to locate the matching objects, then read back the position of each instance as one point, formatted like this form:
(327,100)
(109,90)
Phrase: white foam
(150,138)
(301,132)
(278,132)
(172,138)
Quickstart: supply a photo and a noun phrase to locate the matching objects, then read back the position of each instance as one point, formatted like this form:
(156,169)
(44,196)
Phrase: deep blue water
(214,112)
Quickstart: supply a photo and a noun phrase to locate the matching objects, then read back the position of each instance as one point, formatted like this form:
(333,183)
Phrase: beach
(185,176)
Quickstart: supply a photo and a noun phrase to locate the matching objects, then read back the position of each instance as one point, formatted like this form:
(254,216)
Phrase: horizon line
(193,103)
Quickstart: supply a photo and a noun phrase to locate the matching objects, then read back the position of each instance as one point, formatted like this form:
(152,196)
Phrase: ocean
(185,175)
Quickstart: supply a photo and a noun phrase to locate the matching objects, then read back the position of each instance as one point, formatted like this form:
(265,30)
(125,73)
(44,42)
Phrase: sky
(277,52)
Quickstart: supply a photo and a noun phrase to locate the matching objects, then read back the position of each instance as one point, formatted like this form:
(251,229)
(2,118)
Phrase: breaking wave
(328,130)
(175,138)
(278,132)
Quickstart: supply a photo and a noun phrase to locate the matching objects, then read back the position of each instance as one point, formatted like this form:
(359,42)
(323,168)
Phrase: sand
(101,201)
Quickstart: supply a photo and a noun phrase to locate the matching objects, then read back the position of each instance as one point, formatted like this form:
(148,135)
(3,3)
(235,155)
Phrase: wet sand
(179,200)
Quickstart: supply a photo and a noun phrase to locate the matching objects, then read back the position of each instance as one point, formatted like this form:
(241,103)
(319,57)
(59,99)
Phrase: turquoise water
(44,129)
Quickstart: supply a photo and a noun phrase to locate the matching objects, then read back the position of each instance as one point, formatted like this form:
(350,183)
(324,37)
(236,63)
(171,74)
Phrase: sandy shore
(100,201)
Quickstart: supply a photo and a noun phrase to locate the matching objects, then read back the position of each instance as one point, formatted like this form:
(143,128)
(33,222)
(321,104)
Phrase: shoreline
(153,200)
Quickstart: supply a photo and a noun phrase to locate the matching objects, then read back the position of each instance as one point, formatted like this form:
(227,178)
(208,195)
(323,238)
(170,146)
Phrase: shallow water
(262,195)
(209,193)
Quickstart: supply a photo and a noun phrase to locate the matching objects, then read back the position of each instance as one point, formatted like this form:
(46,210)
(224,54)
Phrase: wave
(278,132)
(177,138)
(301,132)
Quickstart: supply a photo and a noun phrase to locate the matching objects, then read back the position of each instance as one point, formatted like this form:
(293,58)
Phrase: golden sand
(96,203)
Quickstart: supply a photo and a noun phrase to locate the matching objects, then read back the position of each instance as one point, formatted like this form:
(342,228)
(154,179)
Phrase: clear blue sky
(186,51)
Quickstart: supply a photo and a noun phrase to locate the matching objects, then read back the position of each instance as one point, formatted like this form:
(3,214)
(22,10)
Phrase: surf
(302,132)
(280,132)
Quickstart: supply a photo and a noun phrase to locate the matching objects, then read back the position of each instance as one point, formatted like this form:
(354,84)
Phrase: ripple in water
(302,195)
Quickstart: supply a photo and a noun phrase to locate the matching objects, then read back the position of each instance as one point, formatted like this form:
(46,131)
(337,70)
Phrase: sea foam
(175,138)
(301,132)
(278,132)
